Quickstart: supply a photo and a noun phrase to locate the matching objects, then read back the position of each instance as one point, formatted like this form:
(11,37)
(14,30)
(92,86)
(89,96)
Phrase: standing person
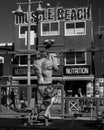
(49,64)
(47,92)
(79,94)
(4,98)
(12,97)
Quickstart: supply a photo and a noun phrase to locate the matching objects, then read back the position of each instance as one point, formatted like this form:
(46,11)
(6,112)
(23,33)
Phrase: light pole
(29,39)
(19,11)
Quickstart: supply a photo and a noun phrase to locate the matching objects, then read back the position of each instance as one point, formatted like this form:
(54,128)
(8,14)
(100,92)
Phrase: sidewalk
(9,113)
(10,118)
(56,124)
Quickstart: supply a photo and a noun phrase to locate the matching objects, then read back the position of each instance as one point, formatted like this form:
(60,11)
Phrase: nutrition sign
(76,70)
(54,14)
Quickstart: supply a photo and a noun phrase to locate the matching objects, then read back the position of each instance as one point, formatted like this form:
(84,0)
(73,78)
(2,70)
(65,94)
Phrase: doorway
(71,87)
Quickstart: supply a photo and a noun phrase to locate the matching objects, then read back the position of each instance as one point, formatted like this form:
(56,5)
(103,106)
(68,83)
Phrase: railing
(63,106)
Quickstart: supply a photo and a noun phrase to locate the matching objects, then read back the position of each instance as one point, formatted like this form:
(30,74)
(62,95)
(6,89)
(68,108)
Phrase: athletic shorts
(47,91)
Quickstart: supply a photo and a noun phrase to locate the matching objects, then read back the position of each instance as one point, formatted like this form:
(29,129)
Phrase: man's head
(44,53)
(37,55)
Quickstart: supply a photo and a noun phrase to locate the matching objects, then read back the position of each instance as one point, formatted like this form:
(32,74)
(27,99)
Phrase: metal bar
(32,51)
(63,78)
(29,47)
(23,3)
(5,86)
(4,52)
(83,97)
(0,100)
(62,101)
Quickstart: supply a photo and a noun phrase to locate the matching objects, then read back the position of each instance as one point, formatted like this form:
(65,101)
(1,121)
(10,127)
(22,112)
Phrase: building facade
(66,33)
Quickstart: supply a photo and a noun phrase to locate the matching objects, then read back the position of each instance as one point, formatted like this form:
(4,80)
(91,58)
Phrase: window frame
(85,53)
(24,25)
(50,33)
(51,54)
(19,63)
(74,29)
(20,60)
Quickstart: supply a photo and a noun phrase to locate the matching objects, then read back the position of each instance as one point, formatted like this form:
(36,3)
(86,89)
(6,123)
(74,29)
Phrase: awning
(63,78)
(23,77)
(70,78)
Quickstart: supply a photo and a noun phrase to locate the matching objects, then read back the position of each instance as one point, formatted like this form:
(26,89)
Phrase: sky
(7,18)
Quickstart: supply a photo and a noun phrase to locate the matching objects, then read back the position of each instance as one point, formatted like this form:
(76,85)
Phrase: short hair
(44,53)
(37,55)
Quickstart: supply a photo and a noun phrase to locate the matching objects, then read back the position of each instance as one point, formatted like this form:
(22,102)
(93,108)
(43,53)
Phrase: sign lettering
(78,70)
(22,71)
(52,14)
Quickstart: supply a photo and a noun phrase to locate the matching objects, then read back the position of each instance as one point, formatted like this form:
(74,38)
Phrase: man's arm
(37,67)
(54,60)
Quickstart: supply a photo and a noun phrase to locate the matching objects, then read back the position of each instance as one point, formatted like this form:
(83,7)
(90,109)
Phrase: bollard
(46,121)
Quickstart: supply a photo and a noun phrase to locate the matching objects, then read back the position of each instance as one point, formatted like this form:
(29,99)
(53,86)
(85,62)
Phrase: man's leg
(11,103)
(47,112)
(14,103)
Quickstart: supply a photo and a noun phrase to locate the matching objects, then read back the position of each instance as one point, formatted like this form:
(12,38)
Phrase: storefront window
(74,58)
(23,59)
(15,60)
(80,58)
(70,58)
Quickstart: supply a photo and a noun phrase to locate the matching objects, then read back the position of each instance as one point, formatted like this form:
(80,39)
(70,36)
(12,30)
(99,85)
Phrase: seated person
(79,94)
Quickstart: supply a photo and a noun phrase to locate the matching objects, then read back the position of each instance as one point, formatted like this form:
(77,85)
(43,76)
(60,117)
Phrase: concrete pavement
(56,124)
(11,120)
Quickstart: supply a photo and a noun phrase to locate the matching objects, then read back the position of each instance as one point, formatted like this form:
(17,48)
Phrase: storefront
(77,77)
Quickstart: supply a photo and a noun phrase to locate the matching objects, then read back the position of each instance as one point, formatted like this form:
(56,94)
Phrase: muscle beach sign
(55,14)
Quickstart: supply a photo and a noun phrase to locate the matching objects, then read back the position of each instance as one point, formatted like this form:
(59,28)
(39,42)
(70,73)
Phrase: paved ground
(56,124)
(11,120)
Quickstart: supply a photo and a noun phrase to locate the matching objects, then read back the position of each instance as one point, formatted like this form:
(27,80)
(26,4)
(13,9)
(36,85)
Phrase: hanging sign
(22,71)
(77,70)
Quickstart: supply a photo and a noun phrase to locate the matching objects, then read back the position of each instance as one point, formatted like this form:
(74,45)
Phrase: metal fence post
(0,100)
(62,100)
